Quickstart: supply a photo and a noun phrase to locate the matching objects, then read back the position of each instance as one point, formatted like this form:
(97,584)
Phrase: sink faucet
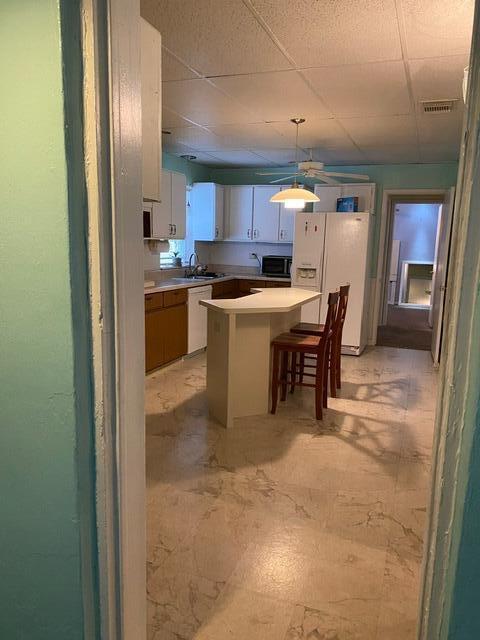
(192,269)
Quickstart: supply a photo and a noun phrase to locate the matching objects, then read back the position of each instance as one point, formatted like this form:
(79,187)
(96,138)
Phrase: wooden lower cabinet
(165,335)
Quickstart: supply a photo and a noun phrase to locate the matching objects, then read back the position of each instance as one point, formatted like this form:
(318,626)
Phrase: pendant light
(296,196)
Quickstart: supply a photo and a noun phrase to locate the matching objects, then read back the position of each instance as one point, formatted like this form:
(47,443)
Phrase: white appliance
(197,318)
(331,249)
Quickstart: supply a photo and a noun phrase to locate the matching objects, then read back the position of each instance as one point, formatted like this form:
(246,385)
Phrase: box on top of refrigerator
(349,204)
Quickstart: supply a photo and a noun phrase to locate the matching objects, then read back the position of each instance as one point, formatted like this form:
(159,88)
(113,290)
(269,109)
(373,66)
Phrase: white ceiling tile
(250,136)
(314,133)
(173,69)
(381,129)
(215,37)
(363,90)
(333,33)
(437,27)
(197,138)
(171,119)
(392,154)
(441,128)
(240,157)
(273,96)
(203,103)
(346,155)
(438,78)
(439,152)
(283,157)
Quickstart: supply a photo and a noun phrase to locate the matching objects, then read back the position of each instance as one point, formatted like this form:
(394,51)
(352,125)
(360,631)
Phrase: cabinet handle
(174,229)
(216,232)
(249,233)
(169,229)
(255,233)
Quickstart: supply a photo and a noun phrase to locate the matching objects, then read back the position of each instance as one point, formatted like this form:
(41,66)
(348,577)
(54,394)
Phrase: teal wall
(394,176)
(45,398)
(194,172)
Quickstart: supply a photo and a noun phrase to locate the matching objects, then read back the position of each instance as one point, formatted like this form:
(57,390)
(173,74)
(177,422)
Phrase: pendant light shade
(295,197)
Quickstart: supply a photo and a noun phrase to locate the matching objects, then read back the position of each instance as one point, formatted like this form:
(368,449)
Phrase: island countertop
(280,300)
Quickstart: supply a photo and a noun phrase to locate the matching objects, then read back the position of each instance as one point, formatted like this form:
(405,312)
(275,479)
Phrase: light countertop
(186,283)
(276,300)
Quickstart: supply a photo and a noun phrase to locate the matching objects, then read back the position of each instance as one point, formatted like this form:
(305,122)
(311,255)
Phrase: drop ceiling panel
(333,33)
(363,90)
(197,138)
(274,96)
(283,157)
(171,119)
(174,69)
(441,128)
(215,37)
(241,158)
(438,78)
(250,136)
(437,27)
(392,154)
(439,153)
(345,156)
(315,133)
(203,103)
(396,130)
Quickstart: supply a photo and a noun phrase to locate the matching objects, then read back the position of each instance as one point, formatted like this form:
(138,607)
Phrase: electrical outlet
(253,256)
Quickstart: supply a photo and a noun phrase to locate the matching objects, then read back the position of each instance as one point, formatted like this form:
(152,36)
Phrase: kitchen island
(238,348)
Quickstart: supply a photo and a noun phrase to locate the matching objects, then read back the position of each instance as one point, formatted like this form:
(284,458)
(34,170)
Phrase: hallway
(406,328)
(284,528)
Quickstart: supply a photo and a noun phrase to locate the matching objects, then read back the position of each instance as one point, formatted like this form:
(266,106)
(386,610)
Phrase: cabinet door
(364,193)
(150,53)
(179,204)
(154,339)
(328,197)
(175,323)
(239,212)
(266,214)
(218,230)
(162,212)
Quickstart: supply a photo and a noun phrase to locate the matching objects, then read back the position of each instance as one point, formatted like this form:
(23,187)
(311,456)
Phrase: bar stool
(313,329)
(291,344)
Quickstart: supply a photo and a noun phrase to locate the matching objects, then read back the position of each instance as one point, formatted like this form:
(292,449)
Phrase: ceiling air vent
(438,106)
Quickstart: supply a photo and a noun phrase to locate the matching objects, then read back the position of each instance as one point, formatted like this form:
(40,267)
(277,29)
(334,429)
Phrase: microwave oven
(278,266)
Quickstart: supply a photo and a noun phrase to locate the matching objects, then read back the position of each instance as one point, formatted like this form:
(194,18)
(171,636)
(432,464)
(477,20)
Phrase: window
(175,247)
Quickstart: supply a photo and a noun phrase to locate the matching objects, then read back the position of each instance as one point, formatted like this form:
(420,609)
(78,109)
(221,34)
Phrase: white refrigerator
(331,249)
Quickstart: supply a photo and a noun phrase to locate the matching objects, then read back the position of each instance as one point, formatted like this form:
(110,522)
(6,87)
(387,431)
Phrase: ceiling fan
(310,168)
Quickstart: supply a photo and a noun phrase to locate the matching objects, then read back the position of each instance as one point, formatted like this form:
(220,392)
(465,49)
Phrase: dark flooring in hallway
(406,328)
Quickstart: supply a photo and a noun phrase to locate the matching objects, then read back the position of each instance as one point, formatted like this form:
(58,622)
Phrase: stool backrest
(331,314)
(343,303)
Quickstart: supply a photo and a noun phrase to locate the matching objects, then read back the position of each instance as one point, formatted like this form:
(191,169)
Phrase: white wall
(238,253)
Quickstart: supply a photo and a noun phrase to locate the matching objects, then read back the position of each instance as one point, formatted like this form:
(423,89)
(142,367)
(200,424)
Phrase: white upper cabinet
(179,204)
(239,211)
(169,215)
(151,68)
(266,214)
(328,195)
(207,211)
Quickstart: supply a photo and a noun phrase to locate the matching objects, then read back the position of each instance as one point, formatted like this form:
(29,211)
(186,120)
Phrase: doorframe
(389,198)
(112,148)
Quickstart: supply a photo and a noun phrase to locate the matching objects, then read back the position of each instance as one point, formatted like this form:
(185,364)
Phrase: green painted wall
(395,176)
(194,172)
(45,396)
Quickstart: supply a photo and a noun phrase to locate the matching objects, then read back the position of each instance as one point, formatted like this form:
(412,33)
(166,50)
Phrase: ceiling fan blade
(323,177)
(270,173)
(286,178)
(357,176)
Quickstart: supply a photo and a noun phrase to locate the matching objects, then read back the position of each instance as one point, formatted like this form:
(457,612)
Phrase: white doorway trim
(386,221)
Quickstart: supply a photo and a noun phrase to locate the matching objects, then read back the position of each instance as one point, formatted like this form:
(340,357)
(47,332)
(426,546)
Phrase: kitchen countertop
(186,283)
(276,300)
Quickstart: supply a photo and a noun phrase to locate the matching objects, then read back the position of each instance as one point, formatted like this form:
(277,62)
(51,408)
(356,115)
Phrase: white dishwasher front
(197,318)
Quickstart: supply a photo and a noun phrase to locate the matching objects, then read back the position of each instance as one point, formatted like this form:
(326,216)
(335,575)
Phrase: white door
(218,230)
(393,275)
(266,214)
(239,201)
(197,318)
(162,215)
(439,282)
(179,204)
(286,225)
(308,247)
(328,197)
(346,262)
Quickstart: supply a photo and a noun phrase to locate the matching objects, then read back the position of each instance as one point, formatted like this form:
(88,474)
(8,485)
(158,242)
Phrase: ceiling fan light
(294,194)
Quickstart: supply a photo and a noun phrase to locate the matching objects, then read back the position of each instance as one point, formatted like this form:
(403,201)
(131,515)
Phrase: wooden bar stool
(313,329)
(291,344)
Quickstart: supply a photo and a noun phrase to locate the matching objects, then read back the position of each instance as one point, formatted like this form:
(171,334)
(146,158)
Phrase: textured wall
(44,383)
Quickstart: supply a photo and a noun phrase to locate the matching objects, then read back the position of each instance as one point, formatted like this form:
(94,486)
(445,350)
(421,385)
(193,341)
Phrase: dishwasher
(197,318)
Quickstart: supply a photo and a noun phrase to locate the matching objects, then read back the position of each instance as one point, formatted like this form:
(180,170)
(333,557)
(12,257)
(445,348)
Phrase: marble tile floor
(285,528)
